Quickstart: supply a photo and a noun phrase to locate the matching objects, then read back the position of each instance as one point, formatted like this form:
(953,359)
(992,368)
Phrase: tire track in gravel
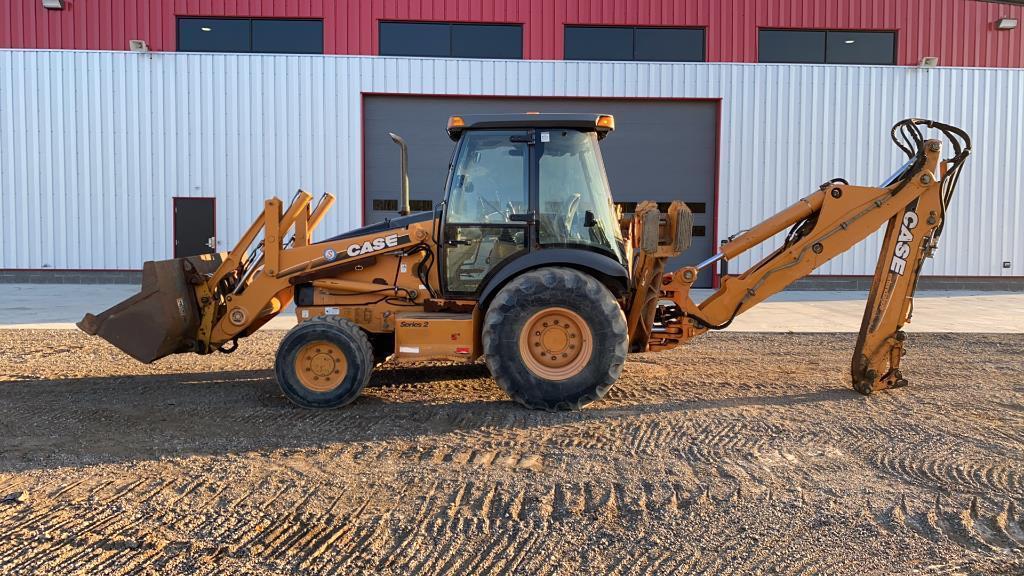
(952,473)
(103,517)
(483,456)
(756,468)
(965,522)
(83,513)
(942,522)
(711,441)
(451,513)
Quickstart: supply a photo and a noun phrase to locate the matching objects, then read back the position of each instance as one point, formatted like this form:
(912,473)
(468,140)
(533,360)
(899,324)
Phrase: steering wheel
(490,208)
(570,213)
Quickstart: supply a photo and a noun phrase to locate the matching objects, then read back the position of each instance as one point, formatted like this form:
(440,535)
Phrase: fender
(607,271)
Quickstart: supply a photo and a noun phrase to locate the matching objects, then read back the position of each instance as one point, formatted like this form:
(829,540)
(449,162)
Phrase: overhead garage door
(661,150)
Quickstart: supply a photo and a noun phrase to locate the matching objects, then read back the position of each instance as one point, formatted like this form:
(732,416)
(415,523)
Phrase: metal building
(109,157)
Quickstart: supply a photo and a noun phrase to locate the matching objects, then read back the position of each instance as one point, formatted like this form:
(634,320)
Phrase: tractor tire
(555,339)
(324,363)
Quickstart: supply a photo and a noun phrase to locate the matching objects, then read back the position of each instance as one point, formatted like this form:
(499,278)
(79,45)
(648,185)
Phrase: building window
(860,47)
(264,35)
(634,43)
(447,40)
(826,47)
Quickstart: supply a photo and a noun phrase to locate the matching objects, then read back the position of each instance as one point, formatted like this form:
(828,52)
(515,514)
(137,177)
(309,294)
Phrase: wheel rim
(556,343)
(321,366)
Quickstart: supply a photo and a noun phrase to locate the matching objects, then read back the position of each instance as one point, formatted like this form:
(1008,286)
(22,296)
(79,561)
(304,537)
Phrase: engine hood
(387,224)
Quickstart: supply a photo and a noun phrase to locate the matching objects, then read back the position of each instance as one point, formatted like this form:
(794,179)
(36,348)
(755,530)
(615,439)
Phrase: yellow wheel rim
(321,366)
(556,344)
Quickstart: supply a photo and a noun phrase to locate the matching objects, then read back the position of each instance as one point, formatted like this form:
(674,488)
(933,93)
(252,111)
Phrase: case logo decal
(375,245)
(899,258)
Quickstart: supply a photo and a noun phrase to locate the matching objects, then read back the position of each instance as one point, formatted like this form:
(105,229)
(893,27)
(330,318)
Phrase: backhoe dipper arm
(821,226)
(910,237)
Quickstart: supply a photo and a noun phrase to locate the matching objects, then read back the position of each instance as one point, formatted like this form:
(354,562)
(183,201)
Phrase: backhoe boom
(821,226)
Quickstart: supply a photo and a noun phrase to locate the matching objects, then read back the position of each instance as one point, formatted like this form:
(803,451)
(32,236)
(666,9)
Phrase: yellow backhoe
(528,264)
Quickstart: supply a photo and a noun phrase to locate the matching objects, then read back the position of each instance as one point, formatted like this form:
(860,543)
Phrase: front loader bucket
(163,318)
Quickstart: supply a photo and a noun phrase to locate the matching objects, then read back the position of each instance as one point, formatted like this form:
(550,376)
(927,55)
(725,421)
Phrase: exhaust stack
(403,208)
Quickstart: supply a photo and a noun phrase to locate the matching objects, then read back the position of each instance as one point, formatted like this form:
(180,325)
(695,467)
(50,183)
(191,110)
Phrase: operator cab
(520,183)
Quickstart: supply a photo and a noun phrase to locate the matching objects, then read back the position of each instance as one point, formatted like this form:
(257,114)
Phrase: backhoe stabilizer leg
(908,241)
(866,379)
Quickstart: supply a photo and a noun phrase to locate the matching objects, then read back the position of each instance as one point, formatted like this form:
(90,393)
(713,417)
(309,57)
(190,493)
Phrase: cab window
(489,183)
(489,178)
(575,199)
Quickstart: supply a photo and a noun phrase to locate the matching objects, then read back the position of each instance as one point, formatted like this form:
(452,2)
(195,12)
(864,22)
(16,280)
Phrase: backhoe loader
(528,264)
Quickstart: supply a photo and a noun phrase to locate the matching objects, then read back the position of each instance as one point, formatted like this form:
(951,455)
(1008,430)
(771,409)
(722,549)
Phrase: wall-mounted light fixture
(53,4)
(138,46)
(1006,24)
(929,62)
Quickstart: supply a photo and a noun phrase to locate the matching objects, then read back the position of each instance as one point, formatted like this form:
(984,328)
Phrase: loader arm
(821,226)
(246,292)
(205,304)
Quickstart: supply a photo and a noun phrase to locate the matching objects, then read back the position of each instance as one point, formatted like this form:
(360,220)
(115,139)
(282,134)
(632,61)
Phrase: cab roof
(600,123)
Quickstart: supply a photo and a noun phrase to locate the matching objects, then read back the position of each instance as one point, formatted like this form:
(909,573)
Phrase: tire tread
(508,301)
(349,330)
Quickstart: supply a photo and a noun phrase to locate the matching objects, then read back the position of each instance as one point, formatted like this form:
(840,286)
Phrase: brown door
(195,229)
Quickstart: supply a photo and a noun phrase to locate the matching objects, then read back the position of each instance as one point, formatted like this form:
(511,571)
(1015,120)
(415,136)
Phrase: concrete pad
(934,311)
(59,306)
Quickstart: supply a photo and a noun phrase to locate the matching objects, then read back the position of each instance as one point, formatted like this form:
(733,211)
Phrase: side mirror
(589,220)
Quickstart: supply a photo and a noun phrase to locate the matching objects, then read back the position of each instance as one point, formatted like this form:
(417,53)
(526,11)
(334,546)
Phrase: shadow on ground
(114,419)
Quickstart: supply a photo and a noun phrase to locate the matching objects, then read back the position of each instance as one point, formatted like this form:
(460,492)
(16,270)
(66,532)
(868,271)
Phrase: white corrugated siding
(93,145)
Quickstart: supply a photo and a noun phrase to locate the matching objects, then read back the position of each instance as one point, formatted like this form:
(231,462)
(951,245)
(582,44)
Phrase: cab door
(487,218)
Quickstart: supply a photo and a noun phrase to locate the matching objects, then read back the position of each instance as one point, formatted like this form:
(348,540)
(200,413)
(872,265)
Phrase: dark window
(385,205)
(390,205)
(487,41)
(437,39)
(288,36)
(415,39)
(695,207)
(796,46)
(669,44)
(274,36)
(860,48)
(826,47)
(214,35)
(598,43)
(634,43)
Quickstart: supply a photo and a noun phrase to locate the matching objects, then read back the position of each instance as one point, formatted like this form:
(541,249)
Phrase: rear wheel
(555,339)
(324,363)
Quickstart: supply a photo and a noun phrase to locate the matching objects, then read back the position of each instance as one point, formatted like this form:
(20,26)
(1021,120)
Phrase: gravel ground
(741,453)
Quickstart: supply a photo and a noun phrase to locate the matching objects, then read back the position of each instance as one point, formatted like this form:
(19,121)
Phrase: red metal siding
(959,32)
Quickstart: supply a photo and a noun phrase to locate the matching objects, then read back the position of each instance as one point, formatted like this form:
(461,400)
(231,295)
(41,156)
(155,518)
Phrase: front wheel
(324,363)
(555,339)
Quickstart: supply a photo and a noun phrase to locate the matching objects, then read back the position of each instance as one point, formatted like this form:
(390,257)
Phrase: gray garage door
(661,150)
